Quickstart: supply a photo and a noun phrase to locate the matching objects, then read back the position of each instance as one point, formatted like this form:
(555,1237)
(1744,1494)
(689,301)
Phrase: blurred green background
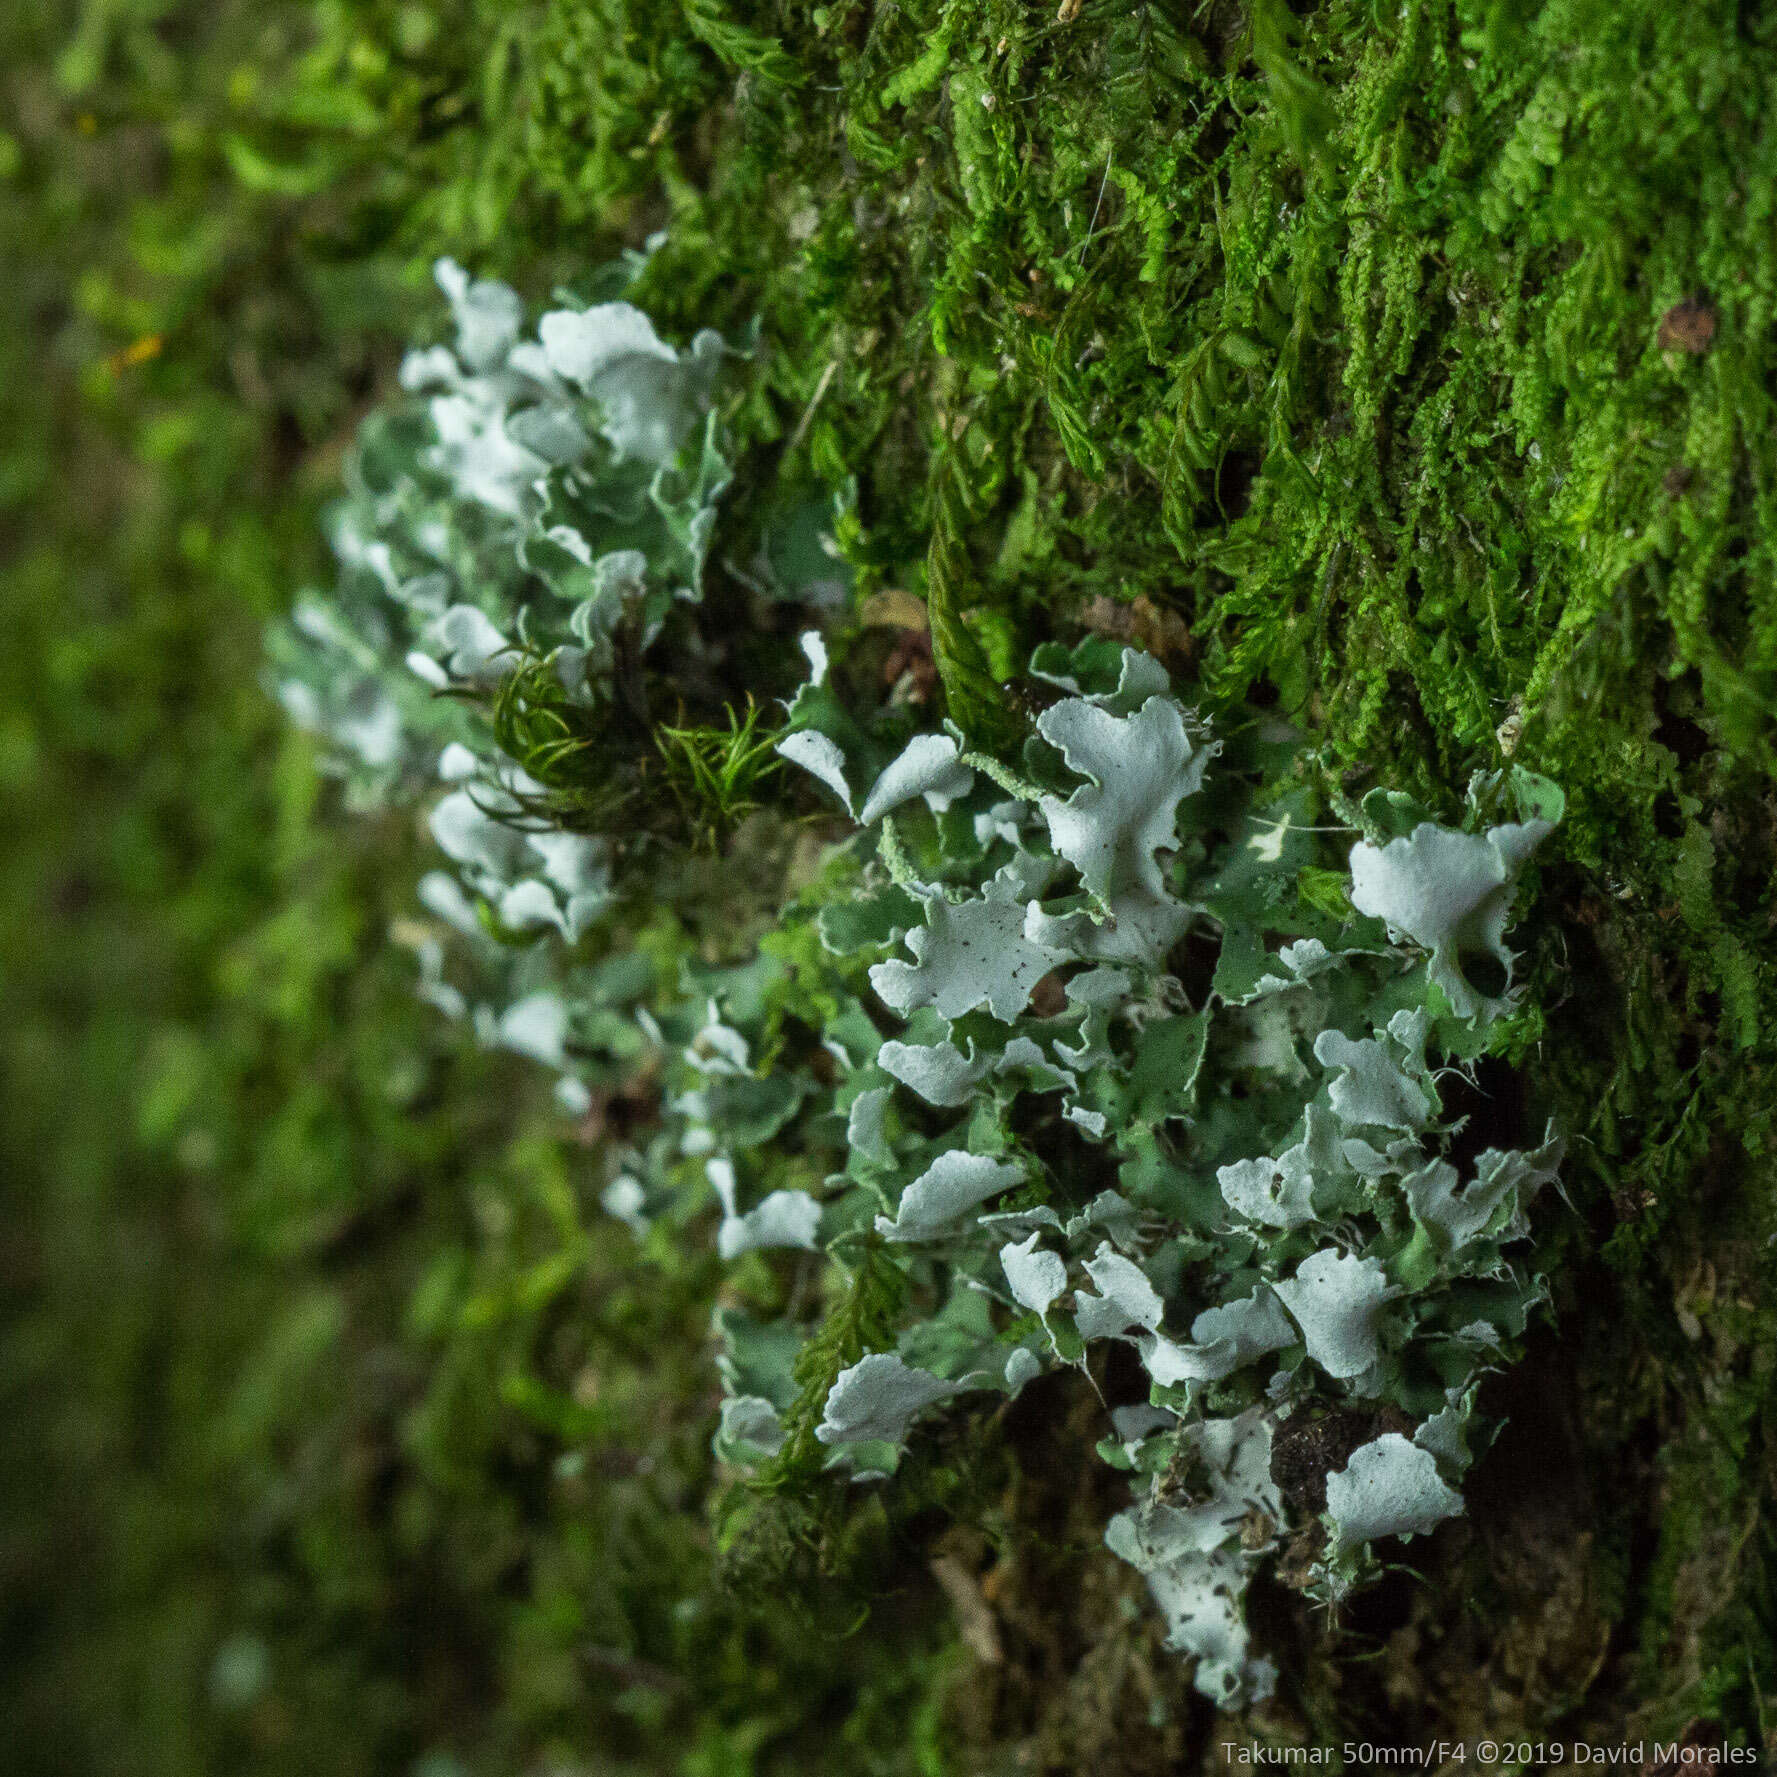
(335,1443)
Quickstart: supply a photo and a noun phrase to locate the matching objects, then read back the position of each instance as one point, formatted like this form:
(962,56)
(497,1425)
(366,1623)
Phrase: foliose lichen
(1071,1041)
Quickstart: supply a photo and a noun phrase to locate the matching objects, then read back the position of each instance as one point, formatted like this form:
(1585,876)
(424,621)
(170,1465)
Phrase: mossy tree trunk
(1415,364)
(1407,367)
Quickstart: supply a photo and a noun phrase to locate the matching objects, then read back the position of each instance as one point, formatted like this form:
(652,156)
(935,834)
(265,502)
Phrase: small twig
(627,1669)
(894,856)
(814,401)
(1003,775)
(1102,184)
(1260,821)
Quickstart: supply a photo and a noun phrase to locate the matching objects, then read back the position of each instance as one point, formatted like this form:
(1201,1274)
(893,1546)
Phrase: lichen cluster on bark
(1405,368)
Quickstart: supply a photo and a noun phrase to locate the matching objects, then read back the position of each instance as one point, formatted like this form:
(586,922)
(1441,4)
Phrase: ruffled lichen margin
(1413,366)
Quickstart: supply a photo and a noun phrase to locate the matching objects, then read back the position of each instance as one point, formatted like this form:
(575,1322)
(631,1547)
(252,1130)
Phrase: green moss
(1351,341)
